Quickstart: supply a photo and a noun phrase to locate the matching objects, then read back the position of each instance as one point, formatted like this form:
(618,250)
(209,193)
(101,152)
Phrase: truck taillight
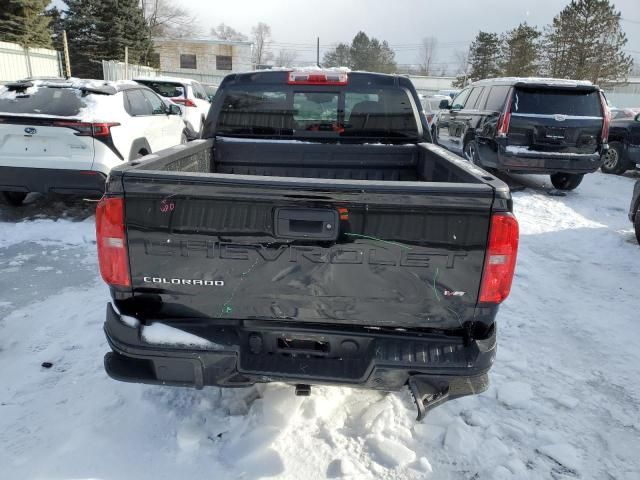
(606,114)
(502,128)
(500,260)
(318,78)
(112,244)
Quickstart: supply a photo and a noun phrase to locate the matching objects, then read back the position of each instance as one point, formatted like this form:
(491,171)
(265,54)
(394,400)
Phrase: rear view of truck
(314,237)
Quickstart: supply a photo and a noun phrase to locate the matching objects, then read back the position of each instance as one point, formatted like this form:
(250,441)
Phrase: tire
(14,199)
(614,162)
(636,224)
(566,181)
(470,152)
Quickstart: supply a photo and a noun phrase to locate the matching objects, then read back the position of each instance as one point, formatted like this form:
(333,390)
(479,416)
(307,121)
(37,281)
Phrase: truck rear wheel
(566,181)
(14,198)
(613,160)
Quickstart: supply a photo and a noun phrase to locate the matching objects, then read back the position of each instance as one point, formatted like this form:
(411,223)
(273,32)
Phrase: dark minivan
(529,125)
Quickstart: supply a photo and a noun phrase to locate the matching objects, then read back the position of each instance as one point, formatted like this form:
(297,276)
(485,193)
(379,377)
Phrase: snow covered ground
(564,401)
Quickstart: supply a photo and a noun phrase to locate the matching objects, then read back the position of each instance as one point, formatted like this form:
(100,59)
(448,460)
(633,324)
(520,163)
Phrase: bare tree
(261,36)
(461,58)
(285,58)
(164,18)
(427,55)
(225,32)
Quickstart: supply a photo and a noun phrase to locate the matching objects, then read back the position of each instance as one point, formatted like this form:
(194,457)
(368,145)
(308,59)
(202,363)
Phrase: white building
(203,59)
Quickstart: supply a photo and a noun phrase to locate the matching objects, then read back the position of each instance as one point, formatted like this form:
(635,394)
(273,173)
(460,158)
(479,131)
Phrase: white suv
(188,93)
(65,136)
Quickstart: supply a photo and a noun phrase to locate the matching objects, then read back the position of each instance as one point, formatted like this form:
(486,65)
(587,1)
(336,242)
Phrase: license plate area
(303,354)
(555,133)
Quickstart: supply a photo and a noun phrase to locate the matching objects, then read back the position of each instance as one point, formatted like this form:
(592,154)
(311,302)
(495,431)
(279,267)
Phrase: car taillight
(606,114)
(318,78)
(85,129)
(502,129)
(430,117)
(187,102)
(500,260)
(112,242)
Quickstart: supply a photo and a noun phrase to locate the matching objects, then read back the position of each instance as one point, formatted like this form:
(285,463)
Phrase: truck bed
(399,163)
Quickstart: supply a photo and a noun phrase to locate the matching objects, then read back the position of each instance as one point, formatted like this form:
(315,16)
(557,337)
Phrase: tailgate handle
(306,223)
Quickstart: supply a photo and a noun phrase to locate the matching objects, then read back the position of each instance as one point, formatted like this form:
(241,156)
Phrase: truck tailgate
(396,254)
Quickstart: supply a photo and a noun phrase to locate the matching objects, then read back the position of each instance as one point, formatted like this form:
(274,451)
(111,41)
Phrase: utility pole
(126,63)
(67,63)
(318,53)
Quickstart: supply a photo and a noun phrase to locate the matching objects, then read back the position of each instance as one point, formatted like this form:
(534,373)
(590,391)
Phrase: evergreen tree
(338,57)
(364,53)
(123,24)
(483,59)
(100,29)
(24,22)
(520,52)
(585,42)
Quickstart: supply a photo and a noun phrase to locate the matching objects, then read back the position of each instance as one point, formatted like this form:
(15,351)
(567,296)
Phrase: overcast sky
(401,22)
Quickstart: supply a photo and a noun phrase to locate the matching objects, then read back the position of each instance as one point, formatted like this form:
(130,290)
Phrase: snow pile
(161,334)
(564,402)
(46,232)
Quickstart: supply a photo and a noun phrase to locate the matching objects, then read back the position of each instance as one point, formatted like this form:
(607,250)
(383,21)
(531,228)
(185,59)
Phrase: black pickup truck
(314,236)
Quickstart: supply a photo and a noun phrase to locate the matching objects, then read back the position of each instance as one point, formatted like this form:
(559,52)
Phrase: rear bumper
(523,162)
(49,180)
(353,358)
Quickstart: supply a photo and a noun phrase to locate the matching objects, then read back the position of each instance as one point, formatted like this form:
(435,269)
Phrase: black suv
(529,125)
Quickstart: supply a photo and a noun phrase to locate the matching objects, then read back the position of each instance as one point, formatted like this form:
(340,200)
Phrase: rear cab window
(331,112)
(548,101)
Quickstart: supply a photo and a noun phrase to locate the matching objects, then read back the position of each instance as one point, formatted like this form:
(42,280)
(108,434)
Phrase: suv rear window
(291,112)
(62,102)
(166,89)
(545,101)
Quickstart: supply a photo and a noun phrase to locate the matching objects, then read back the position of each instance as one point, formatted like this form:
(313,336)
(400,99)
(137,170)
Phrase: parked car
(188,93)
(431,106)
(619,113)
(624,145)
(528,125)
(634,209)
(449,92)
(325,244)
(65,137)
(211,90)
